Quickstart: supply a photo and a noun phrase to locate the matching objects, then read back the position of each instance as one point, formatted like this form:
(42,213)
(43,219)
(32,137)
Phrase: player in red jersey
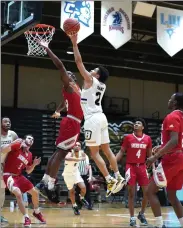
(170,170)
(19,158)
(69,126)
(138,147)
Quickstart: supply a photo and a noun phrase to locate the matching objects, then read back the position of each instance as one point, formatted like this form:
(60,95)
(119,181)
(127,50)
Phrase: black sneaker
(41,188)
(52,195)
(76,210)
(142,219)
(132,222)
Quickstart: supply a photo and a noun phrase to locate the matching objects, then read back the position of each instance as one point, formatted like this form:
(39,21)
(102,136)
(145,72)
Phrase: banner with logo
(83,11)
(116,22)
(170,29)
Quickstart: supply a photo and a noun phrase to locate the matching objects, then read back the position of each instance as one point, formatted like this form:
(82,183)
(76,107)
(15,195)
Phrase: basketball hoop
(40,32)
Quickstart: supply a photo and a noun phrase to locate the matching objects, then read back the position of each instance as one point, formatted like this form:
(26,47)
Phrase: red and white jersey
(136,148)
(17,160)
(173,122)
(73,104)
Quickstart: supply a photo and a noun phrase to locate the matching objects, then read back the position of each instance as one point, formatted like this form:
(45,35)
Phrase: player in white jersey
(96,124)
(72,176)
(7,137)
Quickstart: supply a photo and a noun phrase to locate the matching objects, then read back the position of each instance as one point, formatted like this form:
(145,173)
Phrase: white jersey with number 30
(91,98)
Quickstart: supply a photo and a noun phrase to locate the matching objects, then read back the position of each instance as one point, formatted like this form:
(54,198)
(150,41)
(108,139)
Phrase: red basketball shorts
(173,168)
(20,182)
(137,173)
(68,133)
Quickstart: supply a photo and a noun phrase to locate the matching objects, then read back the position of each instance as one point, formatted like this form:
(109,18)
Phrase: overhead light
(144,9)
(70,51)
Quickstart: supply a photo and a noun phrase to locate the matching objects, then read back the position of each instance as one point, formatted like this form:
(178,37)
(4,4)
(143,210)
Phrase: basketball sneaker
(132,221)
(142,219)
(111,185)
(27,222)
(120,184)
(76,210)
(39,217)
(3,220)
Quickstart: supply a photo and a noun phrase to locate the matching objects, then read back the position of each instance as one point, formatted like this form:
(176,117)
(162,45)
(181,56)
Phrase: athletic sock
(181,221)
(159,221)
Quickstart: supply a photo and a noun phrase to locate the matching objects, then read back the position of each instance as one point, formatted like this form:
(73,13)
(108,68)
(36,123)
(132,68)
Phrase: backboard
(18,17)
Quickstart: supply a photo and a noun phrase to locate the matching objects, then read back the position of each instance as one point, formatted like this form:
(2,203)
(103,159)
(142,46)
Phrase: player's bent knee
(172,196)
(17,193)
(33,192)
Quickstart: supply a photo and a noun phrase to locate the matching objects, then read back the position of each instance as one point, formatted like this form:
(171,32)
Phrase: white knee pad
(10,183)
(159,176)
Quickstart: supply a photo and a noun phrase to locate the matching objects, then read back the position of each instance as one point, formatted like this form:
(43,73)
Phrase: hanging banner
(116,22)
(83,11)
(170,29)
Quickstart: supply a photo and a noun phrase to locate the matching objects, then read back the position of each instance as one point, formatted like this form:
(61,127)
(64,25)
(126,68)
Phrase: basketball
(71,26)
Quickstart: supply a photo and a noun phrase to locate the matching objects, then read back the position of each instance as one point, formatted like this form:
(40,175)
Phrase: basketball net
(40,32)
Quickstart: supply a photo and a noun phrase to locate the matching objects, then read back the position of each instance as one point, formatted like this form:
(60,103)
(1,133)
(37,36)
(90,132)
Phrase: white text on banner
(116,21)
(170,29)
(83,11)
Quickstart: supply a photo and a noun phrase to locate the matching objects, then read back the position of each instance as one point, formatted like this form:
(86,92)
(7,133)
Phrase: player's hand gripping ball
(71,26)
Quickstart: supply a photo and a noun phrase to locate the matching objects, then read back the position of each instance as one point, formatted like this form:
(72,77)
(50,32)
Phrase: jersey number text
(138,154)
(98,100)
(88,134)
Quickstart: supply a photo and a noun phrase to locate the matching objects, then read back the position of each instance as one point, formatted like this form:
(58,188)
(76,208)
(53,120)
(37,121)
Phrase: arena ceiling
(140,58)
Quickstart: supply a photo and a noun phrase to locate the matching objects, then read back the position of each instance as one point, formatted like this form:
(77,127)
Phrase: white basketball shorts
(72,179)
(96,130)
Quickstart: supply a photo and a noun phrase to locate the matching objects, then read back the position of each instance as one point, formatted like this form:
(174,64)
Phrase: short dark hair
(179,99)
(142,121)
(4,117)
(25,136)
(104,74)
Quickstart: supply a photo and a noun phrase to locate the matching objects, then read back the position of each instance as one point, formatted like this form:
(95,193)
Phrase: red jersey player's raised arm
(65,78)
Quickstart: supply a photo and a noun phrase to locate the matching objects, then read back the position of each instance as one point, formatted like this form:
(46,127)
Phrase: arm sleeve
(173,124)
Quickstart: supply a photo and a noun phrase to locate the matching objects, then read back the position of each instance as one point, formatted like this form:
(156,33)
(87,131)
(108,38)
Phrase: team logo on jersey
(79,10)
(171,24)
(117,18)
(23,159)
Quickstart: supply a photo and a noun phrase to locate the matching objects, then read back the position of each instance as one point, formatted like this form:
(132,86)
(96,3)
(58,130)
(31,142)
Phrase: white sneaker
(120,184)
(51,185)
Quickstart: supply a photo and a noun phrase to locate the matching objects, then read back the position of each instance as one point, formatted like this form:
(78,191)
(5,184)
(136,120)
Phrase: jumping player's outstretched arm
(78,59)
(58,63)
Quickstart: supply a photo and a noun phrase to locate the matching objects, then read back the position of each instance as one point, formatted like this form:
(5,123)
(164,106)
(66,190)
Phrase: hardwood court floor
(111,216)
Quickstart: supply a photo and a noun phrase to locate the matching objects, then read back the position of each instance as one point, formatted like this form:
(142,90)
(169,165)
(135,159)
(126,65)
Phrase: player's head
(5,123)
(139,124)
(72,76)
(77,147)
(29,140)
(101,73)
(176,101)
